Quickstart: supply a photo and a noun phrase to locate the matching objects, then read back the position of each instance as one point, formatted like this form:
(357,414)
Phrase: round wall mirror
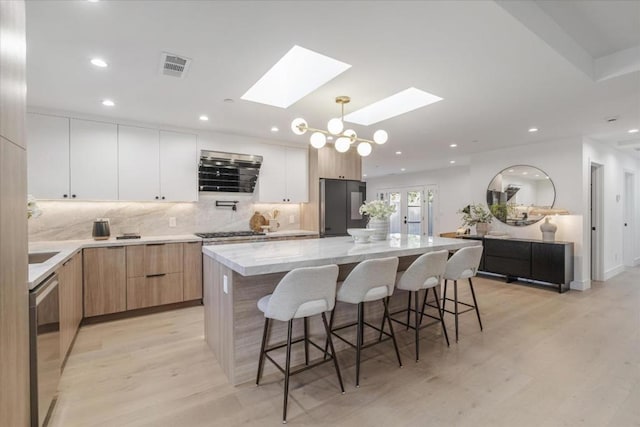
(516,194)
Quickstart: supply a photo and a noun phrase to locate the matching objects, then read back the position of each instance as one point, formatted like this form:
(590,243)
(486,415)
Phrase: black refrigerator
(340,201)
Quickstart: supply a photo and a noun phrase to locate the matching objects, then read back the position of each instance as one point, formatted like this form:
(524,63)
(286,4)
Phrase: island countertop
(255,258)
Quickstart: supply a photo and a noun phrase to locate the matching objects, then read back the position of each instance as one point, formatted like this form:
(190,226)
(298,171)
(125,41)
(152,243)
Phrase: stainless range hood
(221,172)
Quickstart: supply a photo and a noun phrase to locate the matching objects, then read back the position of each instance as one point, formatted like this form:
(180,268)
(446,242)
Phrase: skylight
(392,106)
(298,73)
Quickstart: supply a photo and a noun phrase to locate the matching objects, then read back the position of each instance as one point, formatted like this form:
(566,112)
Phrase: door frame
(596,213)
(383,194)
(628,226)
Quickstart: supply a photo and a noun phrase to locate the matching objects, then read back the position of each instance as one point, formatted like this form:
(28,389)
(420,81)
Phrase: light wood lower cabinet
(192,271)
(149,291)
(105,281)
(70,289)
(138,276)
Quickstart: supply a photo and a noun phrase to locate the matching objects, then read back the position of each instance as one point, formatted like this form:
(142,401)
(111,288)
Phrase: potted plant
(378,212)
(476,215)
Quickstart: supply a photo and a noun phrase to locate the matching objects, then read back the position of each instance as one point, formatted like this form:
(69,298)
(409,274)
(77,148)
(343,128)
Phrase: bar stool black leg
(393,336)
(306,341)
(455,304)
(262,347)
(444,328)
(408,311)
(358,343)
(384,320)
(417,328)
(286,372)
(444,295)
(333,352)
(475,303)
(326,343)
(424,304)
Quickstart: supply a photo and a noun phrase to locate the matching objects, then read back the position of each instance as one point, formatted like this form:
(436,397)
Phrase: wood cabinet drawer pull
(66,262)
(115,247)
(156,244)
(156,275)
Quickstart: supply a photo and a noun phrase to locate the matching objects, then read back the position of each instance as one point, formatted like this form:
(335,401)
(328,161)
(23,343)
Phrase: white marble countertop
(67,248)
(254,258)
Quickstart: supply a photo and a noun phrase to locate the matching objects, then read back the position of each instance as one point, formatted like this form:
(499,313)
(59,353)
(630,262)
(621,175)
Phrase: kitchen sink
(40,257)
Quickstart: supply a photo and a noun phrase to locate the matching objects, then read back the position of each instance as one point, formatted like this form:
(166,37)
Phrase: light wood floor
(544,359)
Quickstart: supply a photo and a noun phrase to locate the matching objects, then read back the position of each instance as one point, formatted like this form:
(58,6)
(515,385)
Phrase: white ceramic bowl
(361,235)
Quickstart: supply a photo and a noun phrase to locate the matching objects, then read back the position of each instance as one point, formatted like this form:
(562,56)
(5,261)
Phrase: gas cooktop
(223,234)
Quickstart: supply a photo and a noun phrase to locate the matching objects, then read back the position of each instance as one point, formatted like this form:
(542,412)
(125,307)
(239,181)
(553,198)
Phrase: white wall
(452,192)
(615,163)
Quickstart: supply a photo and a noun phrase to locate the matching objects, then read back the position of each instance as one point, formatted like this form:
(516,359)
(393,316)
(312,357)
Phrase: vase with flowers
(476,215)
(378,212)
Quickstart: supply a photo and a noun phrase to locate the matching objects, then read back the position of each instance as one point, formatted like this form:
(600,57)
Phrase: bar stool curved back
(370,280)
(462,265)
(301,293)
(426,273)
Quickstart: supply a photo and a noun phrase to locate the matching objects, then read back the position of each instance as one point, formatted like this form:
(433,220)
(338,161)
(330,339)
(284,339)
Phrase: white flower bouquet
(377,209)
(33,211)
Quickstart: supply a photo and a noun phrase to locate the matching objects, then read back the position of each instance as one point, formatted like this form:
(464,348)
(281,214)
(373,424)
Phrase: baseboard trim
(580,285)
(613,272)
(139,312)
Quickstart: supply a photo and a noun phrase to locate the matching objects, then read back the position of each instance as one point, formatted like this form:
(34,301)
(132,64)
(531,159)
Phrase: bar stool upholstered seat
(301,293)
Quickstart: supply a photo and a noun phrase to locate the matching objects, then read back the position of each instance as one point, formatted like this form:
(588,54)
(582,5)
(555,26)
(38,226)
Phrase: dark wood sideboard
(549,262)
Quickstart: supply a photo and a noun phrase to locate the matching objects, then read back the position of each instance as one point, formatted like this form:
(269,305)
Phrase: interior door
(409,217)
(628,227)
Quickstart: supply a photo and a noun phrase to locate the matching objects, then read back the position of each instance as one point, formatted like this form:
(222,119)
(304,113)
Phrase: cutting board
(257,221)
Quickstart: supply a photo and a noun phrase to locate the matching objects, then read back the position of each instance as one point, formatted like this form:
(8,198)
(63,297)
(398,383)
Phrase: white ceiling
(497,77)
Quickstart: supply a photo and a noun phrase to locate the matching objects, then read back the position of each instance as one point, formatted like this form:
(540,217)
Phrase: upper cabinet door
(94,160)
(138,163)
(272,178)
(297,166)
(48,156)
(178,166)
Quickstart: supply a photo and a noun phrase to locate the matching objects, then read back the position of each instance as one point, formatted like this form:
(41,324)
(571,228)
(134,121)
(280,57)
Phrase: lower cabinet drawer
(508,266)
(154,290)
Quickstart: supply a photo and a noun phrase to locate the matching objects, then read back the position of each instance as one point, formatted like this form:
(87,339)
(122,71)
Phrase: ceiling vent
(174,65)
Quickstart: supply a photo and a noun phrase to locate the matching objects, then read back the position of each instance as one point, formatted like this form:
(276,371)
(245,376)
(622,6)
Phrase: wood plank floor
(544,359)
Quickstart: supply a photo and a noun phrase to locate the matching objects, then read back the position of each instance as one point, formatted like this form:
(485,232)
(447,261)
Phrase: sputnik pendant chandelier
(335,128)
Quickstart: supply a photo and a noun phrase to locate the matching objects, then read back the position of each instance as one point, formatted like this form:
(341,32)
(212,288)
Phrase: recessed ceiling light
(533,130)
(452,161)
(392,106)
(99,62)
(93,1)
(204,118)
(511,170)
(633,130)
(298,73)
(108,103)
(402,169)
(274,129)
(398,152)
(537,175)
(453,145)
(524,173)
(364,175)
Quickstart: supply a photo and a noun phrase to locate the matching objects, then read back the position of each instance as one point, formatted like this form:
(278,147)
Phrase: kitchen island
(236,276)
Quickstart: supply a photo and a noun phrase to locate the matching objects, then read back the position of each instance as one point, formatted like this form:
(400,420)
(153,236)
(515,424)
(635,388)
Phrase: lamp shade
(342,144)
(335,126)
(364,149)
(318,140)
(299,126)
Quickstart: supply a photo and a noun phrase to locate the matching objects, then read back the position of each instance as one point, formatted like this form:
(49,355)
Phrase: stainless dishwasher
(44,337)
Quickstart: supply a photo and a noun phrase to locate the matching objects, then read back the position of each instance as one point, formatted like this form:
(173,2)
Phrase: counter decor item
(257,221)
(378,212)
(476,215)
(33,211)
(548,228)
(361,235)
(101,229)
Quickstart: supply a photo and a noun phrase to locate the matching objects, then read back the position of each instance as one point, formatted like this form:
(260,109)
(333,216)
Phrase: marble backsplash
(71,220)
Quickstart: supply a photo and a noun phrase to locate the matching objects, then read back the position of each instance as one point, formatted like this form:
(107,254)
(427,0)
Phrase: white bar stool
(425,273)
(370,280)
(462,265)
(301,293)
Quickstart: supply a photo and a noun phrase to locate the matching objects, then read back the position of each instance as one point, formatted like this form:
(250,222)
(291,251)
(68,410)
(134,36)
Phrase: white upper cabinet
(94,160)
(178,166)
(48,156)
(284,175)
(138,163)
